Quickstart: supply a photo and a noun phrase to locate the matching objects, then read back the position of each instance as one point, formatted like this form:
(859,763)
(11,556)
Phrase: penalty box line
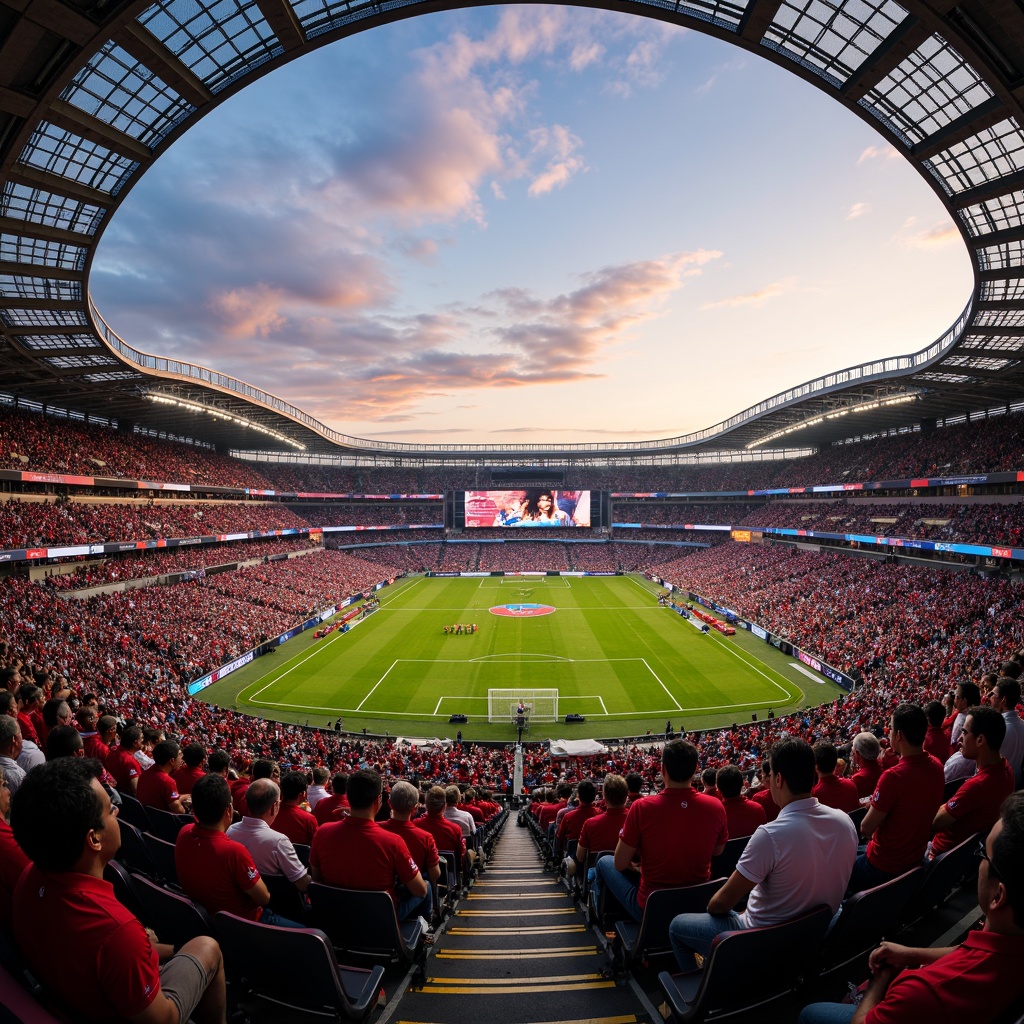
(582,696)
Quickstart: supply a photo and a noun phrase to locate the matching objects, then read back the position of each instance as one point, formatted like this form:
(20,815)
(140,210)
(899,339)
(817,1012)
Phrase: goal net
(503,704)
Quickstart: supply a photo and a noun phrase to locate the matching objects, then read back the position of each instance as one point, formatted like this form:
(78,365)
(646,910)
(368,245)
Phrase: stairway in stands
(518,952)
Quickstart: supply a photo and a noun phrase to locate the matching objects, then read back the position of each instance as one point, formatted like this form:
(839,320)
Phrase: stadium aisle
(518,951)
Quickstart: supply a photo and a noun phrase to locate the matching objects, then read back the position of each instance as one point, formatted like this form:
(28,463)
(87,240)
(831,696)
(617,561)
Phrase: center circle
(521,611)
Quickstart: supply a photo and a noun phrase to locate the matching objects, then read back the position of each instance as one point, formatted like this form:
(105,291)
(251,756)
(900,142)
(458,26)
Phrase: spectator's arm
(871,821)
(875,992)
(735,889)
(302,884)
(434,871)
(176,807)
(417,885)
(943,820)
(623,856)
(160,1011)
(259,893)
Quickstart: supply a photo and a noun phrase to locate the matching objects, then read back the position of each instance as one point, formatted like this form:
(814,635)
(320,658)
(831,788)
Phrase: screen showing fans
(527,507)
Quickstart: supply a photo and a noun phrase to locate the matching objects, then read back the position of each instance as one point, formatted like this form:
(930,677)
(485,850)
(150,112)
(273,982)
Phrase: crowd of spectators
(34,442)
(372,513)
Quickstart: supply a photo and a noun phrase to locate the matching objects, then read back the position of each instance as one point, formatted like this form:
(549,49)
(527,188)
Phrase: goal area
(503,704)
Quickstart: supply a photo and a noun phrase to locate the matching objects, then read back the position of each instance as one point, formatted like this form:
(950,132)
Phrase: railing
(893,365)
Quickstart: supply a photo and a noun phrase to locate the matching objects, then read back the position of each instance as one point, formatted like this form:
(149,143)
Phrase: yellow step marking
(514,955)
(554,979)
(518,950)
(521,896)
(514,913)
(511,990)
(628,1018)
(535,930)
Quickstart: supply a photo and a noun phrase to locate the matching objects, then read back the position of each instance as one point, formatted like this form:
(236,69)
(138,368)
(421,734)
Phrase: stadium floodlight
(503,704)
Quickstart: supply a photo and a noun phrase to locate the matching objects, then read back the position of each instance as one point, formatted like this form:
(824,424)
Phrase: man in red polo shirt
(356,853)
(106,965)
(572,822)
(190,771)
(216,871)
(294,822)
(156,786)
(676,832)
(98,746)
(335,806)
(12,858)
(866,751)
(601,832)
(743,816)
(447,834)
(830,790)
(975,805)
(422,846)
(121,762)
(977,980)
(898,823)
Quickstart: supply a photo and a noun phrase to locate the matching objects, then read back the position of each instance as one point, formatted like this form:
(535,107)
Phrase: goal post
(502,705)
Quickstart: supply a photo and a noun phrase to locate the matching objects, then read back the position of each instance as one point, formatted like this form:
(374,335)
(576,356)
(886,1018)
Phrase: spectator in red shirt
(215,871)
(635,785)
(335,806)
(422,846)
(975,805)
(866,750)
(156,786)
(64,821)
(601,832)
(898,823)
(831,790)
(187,774)
(447,834)
(936,740)
(762,796)
(742,815)
(30,700)
(12,858)
(356,853)
(292,820)
(709,780)
(122,763)
(98,746)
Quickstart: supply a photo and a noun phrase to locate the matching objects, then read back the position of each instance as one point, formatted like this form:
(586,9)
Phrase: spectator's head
(320,775)
(635,783)
(1010,669)
(586,791)
(10,737)
(1005,695)
(87,717)
(339,783)
(211,799)
(293,787)
(56,712)
(1000,877)
(616,792)
(908,727)
(825,757)
(709,777)
(985,728)
(62,817)
(262,768)
(364,789)
(194,754)
(968,694)
(132,738)
(730,781)
(564,792)
(679,761)
(435,801)
(151,737)
(866,747)
(166,754)
(793,760)
(452,796)
(218,762)
(64,741)
(8,704)
(935,713)
(404,799)
(30,696)
(261,798)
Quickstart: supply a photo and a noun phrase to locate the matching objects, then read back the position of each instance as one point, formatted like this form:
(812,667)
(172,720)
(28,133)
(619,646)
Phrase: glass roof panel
(33,204)
(16,286)
(1005,288)
(21,249)
(61,152)
(996,214)
(45,318)
(927,90)
(119,90)
(832,37)
(987,156)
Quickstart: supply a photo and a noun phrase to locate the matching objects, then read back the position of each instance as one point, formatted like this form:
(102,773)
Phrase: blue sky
(529,224)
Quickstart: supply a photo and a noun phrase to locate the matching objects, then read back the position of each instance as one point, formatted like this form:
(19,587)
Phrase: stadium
(190,554)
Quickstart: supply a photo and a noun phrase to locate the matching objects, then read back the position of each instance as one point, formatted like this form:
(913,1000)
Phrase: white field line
(679,706)
(375,685)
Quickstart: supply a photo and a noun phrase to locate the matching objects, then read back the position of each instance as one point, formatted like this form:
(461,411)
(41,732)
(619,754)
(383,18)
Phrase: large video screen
(527,507)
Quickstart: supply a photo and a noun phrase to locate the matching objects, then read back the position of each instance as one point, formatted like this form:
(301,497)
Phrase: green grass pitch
(613,654)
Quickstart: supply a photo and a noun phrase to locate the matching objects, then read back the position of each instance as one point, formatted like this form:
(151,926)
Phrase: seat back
(942,876)
(117,875)
(285,899)
(662,906)
(173,916)
(263,958)
(162,854)
(866,917)
(302,852)
(134,853)
(857,816)
(362,922)
(132,811)
(725,863)
(753,966)
(166,825)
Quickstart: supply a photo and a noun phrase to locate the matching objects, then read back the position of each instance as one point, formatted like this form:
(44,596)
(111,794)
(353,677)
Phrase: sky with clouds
(529,224)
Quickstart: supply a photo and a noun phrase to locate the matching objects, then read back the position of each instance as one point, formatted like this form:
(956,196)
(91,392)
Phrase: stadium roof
(93,91)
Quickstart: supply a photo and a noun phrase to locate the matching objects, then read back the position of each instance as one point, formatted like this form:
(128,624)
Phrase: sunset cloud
(755,298)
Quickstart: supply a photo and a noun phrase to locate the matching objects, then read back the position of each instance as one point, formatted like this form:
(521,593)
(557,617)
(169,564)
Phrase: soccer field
(604,643)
